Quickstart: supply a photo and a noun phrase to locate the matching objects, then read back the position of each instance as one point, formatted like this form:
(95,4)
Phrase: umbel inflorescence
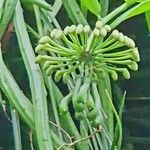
(79,49)
(84,55)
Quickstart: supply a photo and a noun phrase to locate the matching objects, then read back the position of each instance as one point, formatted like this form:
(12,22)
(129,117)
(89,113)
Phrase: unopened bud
(38,59)
(53,33)
(79,29)
(72,28)
(103,32)
(135,54)
(86,29)
(66,30)
(58,75)
(108,28)
(126,73)
(49,70)
(121,38)
(115,33)
(96,32)
(114,75)
(99,24)
(58,34)
(39,48)
(46,65)
(131,43)
(44,40)
(133,66)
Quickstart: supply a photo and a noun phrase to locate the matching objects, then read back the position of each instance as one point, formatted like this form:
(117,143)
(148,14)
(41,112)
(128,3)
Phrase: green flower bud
(96,123)
(135,54)
(92,114)
(121,38)
(126,73)
(39,48)
(50,70)
(96,32)
(44,40)
(53,33)
(65,77)
(103,32)
(58,75)
(115,34)
(99,24)
(114,75)
(80,116)
(133,66)
(79,29)
(72,28)
(46,65)
(58,34)
(80,98)
(79,107)
(108,28)
(86,29)
(90,103)
(63,109)
(38,59)
(66,30)
(131,43)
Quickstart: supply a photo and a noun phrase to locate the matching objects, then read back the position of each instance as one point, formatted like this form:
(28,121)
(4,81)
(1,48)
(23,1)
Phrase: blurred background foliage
(136,121)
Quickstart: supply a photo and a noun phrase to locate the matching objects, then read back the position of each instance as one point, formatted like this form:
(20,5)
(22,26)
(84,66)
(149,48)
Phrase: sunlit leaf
(93,6)
(141,8)
(133,1)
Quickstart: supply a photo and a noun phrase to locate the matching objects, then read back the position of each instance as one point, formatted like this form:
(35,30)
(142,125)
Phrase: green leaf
(140,8)
(133,1)
(134,11)
(93,6)
(147,16)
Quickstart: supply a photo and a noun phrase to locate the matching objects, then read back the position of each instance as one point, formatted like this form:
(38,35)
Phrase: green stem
(38,21)
(115,13)
(104,83)
(119,141)
(16,129)
(36,35)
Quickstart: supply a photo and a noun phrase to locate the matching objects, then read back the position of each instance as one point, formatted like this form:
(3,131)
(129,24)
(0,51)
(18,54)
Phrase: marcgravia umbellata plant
(83,58)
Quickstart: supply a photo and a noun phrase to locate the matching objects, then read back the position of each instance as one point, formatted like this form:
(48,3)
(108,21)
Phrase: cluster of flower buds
(83,103)
(79,49)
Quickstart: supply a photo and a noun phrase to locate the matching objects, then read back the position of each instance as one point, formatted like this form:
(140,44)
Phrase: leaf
(136,10)
(147,16)
(93,6)
(133,1)
(140,8)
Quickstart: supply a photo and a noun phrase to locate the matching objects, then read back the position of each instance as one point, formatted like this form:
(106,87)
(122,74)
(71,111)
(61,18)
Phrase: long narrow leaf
(6,15)
(36,82)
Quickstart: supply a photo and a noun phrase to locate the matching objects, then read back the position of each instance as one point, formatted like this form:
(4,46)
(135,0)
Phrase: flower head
(79,49)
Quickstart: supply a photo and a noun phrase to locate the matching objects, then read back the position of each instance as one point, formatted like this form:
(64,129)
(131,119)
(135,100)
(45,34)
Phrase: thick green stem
(16,129)
(104,83)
